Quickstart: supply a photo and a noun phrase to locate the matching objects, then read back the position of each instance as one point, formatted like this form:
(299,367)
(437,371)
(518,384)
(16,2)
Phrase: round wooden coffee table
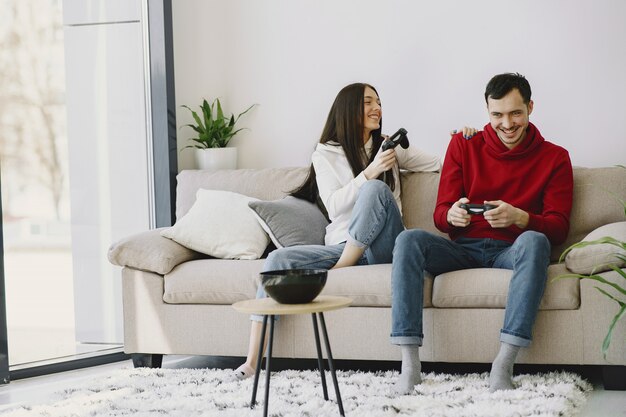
(269,308)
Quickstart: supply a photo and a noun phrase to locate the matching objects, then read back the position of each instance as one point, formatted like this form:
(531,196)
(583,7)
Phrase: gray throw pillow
(149,251)
(291,221)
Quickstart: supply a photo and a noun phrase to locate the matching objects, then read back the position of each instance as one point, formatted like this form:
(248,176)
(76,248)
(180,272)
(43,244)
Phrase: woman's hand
(383,161)
(468,132)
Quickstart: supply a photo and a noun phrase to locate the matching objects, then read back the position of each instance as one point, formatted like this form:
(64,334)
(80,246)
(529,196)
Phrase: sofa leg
(614,377)
(147,360)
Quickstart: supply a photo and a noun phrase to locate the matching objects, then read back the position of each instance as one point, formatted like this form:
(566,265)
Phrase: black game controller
(398,138)
(477,208)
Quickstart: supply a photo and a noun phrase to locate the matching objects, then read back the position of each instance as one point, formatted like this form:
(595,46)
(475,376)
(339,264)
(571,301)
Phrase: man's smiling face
(508,116)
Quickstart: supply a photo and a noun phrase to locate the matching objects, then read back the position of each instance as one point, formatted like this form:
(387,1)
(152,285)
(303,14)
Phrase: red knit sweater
(535,176)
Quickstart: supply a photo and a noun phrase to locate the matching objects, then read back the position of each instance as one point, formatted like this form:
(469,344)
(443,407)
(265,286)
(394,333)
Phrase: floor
(601,403)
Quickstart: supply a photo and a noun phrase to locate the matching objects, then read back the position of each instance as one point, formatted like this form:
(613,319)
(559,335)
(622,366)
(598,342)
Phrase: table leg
(320,359)
(258,363)
(267,365)
(331,363)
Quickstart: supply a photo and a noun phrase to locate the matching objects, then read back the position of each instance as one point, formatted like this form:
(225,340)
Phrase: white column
(108,152)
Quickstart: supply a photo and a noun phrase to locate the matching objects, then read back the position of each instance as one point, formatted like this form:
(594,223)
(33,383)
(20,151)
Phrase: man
(508,165)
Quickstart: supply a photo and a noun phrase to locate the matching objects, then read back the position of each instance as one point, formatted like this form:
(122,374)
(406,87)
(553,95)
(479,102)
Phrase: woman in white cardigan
(358,185)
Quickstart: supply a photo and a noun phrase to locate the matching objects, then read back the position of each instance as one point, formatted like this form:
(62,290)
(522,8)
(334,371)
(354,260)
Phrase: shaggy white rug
(202,392)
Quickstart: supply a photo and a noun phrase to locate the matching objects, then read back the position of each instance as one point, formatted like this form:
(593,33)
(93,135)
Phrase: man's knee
(534,245)
(534,240)
(412,238)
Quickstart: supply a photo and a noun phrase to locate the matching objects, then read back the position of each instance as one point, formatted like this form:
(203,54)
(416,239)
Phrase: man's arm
(557,202)
(450,187)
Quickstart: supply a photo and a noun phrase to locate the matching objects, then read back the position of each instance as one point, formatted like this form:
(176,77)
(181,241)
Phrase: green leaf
(207,113)
(220,113)
(621,303)
(607,340)
(244,112)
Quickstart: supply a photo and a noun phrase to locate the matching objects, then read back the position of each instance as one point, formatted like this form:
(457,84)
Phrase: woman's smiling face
(372,112)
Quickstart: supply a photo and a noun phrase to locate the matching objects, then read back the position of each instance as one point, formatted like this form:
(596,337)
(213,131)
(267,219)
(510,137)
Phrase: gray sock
(501,374)
(411,373)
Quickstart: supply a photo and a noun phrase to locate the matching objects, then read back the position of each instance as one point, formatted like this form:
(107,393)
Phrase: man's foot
(501,374)
(500,379)
(411,373)
(407,382)
(243,372)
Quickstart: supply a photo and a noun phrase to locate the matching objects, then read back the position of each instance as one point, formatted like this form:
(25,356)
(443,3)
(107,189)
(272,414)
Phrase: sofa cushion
(149,251)
(224,281)
(291,221)
(212,281)
(488,288)
(220,224)
(597,258)
(368,286)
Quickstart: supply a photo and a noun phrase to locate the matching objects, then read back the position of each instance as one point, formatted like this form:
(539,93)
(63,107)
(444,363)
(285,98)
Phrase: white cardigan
(338,187)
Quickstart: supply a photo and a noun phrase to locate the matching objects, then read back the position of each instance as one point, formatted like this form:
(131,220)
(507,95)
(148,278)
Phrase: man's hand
(505,215)
(457,216)
(384,161)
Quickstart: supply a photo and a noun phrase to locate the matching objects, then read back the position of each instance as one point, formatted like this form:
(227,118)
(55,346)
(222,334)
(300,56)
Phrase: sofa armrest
(598,311)
(149,251)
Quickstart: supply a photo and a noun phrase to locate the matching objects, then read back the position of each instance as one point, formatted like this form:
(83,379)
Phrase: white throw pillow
(220,224)
(597,258)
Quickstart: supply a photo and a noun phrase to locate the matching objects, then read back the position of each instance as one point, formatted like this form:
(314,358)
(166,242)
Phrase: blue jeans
(416,251)
(376,222)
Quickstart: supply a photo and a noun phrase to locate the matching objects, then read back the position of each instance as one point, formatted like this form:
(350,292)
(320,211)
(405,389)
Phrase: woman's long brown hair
(345,126)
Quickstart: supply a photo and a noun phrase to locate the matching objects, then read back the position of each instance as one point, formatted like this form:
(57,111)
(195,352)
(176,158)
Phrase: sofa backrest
(594,203)
(264,184)
(595,192)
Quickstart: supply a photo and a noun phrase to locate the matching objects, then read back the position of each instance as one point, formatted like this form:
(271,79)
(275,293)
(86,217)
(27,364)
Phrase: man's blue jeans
(375,223)
(416,251)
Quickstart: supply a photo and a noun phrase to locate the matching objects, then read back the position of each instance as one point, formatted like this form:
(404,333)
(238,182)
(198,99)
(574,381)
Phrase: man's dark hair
(502,84)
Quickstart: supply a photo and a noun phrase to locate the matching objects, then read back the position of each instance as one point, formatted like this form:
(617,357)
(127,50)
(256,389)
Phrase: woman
(359,187)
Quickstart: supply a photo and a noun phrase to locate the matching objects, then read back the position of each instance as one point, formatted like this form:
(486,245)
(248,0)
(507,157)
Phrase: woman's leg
(295,257)
(375,224)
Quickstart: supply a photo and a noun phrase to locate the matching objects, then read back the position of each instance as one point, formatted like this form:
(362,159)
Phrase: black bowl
(294,286)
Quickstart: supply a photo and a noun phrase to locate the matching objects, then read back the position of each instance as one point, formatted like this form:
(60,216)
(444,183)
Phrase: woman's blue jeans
(376,222)
(416,251)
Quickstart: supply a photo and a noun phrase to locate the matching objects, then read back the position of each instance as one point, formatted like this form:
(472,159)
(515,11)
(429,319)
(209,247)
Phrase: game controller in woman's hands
(477,208)
(398,138)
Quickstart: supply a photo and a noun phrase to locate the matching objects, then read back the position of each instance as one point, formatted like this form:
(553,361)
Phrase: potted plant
(214,131)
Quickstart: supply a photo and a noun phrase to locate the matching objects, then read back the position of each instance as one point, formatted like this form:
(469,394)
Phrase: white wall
(430,62)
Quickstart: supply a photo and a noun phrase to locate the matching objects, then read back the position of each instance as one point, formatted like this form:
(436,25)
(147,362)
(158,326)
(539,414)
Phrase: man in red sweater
(529,181)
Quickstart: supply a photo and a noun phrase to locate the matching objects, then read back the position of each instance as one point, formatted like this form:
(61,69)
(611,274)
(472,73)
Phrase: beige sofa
(177,301)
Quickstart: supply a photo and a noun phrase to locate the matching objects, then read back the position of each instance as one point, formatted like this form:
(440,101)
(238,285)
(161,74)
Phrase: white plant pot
(216,158)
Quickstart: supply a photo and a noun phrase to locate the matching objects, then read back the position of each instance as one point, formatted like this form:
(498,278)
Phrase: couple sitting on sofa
(509,165)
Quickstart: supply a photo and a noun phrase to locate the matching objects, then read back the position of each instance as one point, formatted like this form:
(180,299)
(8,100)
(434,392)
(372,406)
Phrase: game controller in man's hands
(477,208)
(398,138)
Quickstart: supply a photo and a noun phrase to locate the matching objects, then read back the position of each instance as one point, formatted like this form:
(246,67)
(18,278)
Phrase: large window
(34,160)
(78,156)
